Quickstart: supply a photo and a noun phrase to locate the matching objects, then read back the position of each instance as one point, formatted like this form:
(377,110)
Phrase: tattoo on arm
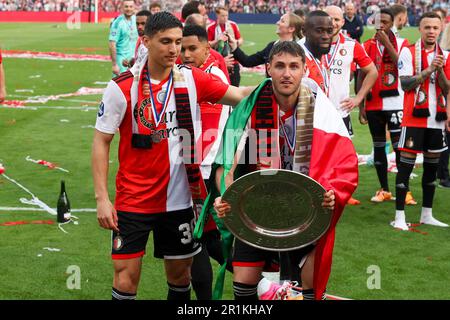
(411,82)
(443,82)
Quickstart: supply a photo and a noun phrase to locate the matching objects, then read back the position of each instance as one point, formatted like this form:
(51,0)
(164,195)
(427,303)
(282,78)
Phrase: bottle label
(67,216)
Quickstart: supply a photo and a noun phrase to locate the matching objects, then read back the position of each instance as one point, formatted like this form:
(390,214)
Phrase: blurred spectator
(364,9)
(155,7)
(353,24)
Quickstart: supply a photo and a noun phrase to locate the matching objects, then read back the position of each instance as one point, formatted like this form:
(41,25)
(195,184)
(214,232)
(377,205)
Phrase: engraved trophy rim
(305,222)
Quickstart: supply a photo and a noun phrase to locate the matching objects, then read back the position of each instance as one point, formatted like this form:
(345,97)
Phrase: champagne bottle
(63,206)
(226,50)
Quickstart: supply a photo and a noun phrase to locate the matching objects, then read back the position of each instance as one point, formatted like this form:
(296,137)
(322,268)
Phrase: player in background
(383,107)
(424,70)
(140,51)
(195,52)
(219,34)
(345,52)
(122,38)
(318,32)
(194,10)
(400,18)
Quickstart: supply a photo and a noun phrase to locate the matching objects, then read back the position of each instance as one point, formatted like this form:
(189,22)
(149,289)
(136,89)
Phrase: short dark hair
(429,14)
(313,14)
(388,12)
(195,30)
(189,8)
(161,21)
(155,5)
(291,47)
(143,13)
(397,9)
(317,13)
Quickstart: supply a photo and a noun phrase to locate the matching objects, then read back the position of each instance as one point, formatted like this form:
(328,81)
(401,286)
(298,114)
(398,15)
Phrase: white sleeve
(111,110)
(216,71)
(405,63)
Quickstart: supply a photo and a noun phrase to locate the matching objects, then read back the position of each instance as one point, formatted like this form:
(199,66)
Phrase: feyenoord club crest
(144,114)
(409,142)
(343,52)
(117,243)
(388,79)
(421,97)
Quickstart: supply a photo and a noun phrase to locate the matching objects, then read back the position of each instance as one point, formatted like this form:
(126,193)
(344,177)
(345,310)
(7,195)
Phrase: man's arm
(443,82)
(253,60)
(385,41)
(234,95)
(2,84)
(370,74)
(113,54)
(362,105)
(106,214)
(411,82)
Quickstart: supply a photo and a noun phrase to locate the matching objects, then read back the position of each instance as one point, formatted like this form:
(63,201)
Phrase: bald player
(343,53)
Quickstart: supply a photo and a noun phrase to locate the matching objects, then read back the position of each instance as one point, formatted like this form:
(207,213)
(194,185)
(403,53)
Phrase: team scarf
(206,66)
(421,106)
(176,85)
(331,161)
(387,82)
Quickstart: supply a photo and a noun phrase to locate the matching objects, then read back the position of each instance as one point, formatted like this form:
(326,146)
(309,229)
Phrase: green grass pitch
(412,265)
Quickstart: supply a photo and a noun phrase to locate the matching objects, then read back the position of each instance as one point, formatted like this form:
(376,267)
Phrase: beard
(323,50)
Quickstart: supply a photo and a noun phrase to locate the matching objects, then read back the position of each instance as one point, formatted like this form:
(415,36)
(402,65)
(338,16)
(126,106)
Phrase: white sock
(427,218)
(400,220)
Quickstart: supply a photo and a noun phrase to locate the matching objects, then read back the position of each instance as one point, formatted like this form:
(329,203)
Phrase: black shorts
(245,255)
(379,119)
(418,140)
(348,125)
(172,235)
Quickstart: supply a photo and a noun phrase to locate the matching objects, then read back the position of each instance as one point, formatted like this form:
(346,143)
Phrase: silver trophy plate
(277,210)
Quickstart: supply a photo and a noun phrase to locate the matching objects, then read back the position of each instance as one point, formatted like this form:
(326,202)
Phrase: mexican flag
(333,164)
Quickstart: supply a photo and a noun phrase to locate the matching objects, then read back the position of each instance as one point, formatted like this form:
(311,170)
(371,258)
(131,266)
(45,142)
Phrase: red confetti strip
(22,222)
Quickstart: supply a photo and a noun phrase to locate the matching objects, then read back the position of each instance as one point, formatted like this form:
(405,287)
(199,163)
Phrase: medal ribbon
(165,102)
(290,141)
(324,71)
(329,58)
